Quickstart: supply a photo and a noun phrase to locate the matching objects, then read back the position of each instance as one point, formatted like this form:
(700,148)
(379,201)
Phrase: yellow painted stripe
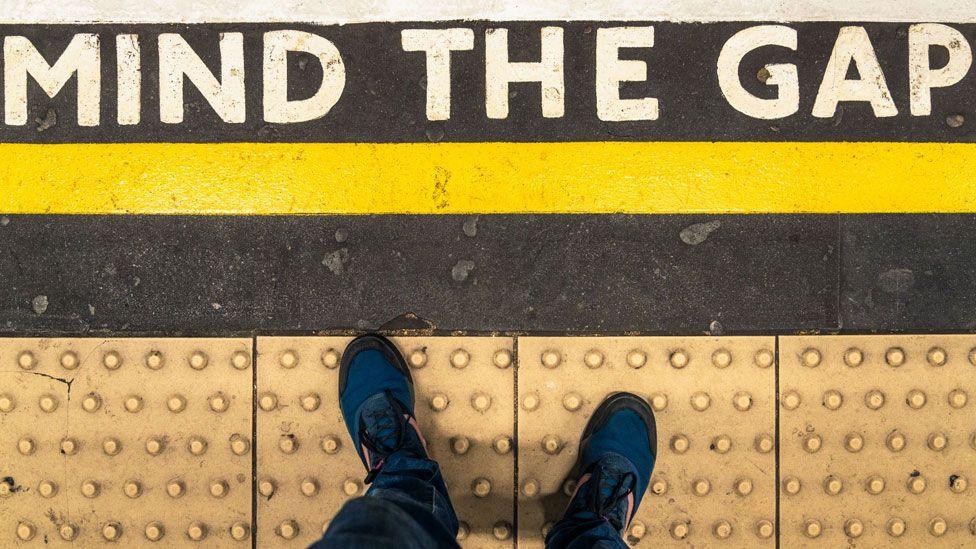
(441,178)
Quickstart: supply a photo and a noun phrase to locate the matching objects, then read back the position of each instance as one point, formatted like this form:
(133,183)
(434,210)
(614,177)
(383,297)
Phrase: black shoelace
(603,507)
(383,422)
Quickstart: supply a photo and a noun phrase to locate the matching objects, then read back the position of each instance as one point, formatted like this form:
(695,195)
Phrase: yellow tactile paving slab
(143,442)
(714,399)
(465,388)
(877,440)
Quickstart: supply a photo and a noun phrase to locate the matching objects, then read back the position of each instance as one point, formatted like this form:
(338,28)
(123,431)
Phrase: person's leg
(616,457)
(407,504)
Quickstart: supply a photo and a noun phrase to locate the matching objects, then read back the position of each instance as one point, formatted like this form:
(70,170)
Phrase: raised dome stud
(742,401)
(69,446)
(743,487)
(874,485)
(915,399)
(48,403)
(90,489)
(352,487)
(502,445)
(679,530)
(175,488)
(722,529)
(133,404)
(551,444)
(874,399)
(463,531)
(938,527)
(854,442)
(240,360)
(790,400)
(219,402)
(551,358)
(460,359)
(111,446)
(764,358)
(330,444)
(680,444)
(721,444)
(309,487)
(957,398)
(176,403)
(701,487)
(198,360)
(267,401)
(593,359)
(854,528)
(155,531)
(896,441)
(267,487)
(239,444)
(832,400)
(26,446)
(287,529)
(832,485)
(530,488)
(937,441)
(764,529)
(700,401)
(895,527)
(659,401)
(480,402)
(679,359)
(937,356)
(895,357)
(112,360)
(288,359)
(25,531)
(637,530)
(812,443)
(853,357)
(721,358)
(155,446)
(310,402)
(791,486)
(46,488)
(502,359)
(763,443)
(810,357)
(288,443)
(481,487)
(501,530)
(197,531)
(438,402)
(958,483)
(240,531)
(132,488)
(219,488)
(916,484)
(7,403)
(69,360)
(112,531)
(636,359)
(417,358)
(659,486)
(812,528)
(530,402)
(572,401)
(330,359)
(68,531)
(91,403)
(26,360)
(154,360)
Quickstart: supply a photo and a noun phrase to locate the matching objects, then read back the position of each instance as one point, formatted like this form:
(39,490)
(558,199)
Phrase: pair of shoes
(616,451)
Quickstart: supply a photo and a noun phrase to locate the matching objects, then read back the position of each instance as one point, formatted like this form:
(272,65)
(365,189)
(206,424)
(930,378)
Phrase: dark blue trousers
(407,507)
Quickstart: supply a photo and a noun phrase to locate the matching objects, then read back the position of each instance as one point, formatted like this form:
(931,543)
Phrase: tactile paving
(878,441)
(143,442)
(465,390)
(714,401)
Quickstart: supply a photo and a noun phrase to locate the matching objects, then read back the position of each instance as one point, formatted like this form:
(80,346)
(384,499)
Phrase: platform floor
(796,440)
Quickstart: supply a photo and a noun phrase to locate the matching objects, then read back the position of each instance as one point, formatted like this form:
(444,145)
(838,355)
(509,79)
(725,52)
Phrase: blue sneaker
(616,457)
(377,399)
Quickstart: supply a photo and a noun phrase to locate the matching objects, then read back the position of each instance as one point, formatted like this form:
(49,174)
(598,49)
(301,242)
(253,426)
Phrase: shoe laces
(381,432)
(605,498)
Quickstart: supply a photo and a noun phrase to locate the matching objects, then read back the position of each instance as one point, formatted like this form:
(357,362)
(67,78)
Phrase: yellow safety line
(442,178)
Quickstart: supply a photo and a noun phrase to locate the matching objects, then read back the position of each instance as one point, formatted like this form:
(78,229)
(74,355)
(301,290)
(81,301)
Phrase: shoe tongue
(611,482)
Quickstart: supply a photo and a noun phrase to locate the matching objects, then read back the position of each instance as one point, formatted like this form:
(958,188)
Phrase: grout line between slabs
(515,444)
(776,436)
(254,442)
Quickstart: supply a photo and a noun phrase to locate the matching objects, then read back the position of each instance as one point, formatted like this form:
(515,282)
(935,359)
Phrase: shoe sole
(611,405)
(380,343)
